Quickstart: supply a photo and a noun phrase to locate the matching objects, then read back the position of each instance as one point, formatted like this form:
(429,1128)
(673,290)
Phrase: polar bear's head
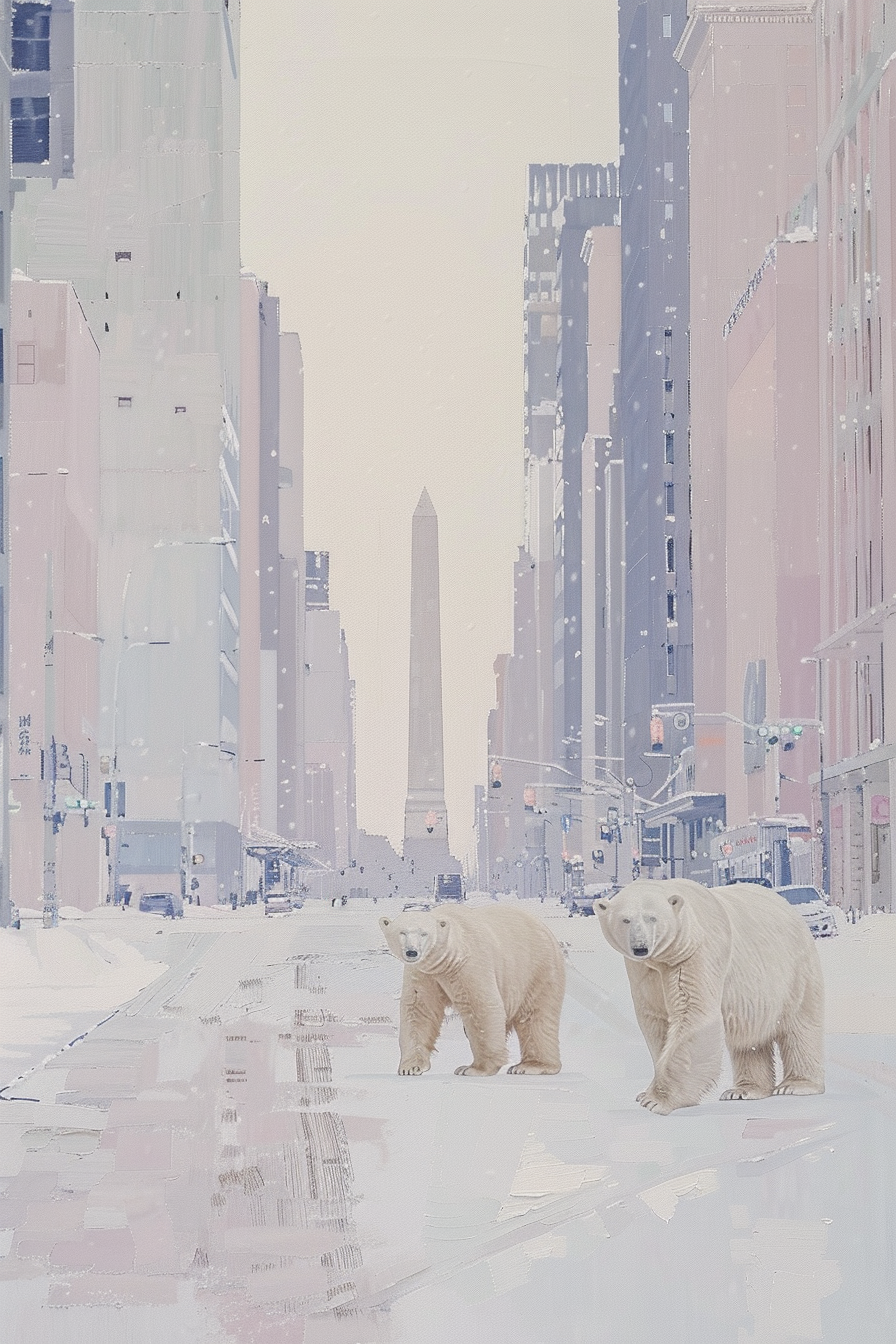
(416,937)
(642,920)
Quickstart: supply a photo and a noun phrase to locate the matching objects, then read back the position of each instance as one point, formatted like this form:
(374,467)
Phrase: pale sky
(384,155)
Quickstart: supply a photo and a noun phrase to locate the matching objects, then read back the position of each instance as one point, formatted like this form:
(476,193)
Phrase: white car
(277,904)
(811,904)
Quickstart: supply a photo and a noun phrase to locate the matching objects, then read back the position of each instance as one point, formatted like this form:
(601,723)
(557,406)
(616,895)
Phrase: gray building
(652,399)
(5,202)
(329,694)
(139,208)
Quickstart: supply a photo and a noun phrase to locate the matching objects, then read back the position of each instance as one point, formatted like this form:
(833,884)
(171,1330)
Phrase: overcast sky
(384,154)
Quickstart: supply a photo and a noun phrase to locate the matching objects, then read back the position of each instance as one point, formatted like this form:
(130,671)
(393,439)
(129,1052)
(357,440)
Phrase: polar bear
(735,962)
(499,967)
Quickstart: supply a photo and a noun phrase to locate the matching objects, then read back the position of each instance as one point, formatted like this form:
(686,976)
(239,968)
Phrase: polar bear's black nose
(639,951)
(411,954)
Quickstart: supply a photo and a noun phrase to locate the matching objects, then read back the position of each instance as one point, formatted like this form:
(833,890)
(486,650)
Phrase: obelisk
(425,815)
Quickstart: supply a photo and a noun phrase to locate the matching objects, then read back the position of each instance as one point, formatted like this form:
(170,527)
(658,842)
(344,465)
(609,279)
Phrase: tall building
(329,693)
(536,814)
(7,744)
(754,413)
(857,299)
(56,844)
(425,813)
(145,225)
(652,400)
(272,577)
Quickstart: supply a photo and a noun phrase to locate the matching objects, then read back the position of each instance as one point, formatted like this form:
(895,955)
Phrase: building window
(670,660)
(30,130)
(670,555)
(669,455)
(670,606)
(667,25)
(669,210)
(31,37)
(25,363)
(667,172)
(670,500)
(180,410)
(667,113)
(124,402)
(121,256)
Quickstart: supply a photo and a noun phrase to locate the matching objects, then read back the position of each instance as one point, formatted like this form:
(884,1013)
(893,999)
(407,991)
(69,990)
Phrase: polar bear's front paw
(798,1087)
(411,1066)
(533,1068)
(744,1092)
(652,1102)
(471,1071)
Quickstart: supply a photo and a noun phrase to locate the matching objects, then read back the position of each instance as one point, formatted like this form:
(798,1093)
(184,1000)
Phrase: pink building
(754,402)
(53,523)
(857,650)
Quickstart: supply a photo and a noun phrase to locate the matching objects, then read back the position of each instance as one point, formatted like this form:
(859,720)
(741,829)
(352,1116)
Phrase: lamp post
(822,802)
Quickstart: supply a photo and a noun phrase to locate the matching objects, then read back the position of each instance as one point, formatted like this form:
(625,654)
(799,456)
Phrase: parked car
(753,881)
(448,887)
(814,907)
(581,905)
(416,905)
(162,903)
(277,904)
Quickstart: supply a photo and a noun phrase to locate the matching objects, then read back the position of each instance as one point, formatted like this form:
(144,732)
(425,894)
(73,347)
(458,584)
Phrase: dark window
(670,447)
(31,37)
(30,130)
(124,402)
(670,606)
(670,555)
(670,500)
(670,660)
(121,256)
(2,523)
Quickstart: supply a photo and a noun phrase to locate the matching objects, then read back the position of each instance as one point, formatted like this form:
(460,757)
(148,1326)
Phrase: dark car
(753,881)
(162,903)
(448,887)
(581,905)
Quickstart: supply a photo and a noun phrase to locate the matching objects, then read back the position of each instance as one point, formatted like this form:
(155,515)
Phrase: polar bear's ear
(443,923)
(384,922)
(674,899)
(602,905)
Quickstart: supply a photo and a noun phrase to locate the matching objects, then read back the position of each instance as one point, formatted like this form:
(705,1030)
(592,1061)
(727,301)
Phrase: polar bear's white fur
(735,962)
(499,967)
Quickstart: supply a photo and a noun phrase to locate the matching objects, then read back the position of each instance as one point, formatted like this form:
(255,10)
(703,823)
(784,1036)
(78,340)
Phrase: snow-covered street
(232,1156)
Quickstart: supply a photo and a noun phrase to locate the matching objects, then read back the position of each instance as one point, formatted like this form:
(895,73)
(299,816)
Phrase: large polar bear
(735,961)
(499,967)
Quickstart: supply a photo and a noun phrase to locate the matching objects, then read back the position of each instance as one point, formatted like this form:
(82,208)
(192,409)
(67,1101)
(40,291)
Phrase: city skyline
(400,142)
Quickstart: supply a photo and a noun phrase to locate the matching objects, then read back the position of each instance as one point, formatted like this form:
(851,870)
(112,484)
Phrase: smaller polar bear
(500,968)
(735,962)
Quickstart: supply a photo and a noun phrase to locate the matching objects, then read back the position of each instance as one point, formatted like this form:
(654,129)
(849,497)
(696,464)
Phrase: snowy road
(233,1157)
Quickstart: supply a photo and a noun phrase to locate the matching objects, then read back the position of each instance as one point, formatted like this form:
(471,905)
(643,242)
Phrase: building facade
(329,692)
(56,789)
(857,648)
(145,226)
(652,399)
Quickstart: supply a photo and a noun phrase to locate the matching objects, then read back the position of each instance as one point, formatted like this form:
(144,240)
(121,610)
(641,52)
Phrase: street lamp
(823,810)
